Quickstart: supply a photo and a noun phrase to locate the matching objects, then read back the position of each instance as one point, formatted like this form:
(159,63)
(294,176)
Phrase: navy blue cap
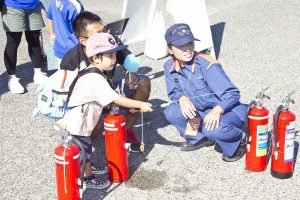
(179,35)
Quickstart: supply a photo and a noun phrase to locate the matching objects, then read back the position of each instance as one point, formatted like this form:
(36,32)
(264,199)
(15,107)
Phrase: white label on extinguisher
(289,142)
(261,140)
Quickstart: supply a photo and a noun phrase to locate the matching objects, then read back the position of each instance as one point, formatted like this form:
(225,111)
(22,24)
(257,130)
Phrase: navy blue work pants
(228,135)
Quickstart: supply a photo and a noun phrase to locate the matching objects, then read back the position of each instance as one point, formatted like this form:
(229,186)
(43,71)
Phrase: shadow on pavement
(152,122)
(296,150)
(24,72)
(146,70)
(217,31)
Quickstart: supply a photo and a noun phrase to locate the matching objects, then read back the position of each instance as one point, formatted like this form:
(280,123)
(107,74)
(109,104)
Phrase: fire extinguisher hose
(78,143)
(279,109)
(252,103)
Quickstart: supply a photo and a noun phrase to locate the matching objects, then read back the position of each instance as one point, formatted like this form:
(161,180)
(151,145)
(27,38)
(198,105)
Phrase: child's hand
(212,118)
(146,107)
(187,107)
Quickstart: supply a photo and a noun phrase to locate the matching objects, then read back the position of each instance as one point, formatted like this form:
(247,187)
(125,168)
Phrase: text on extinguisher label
(261,140)
(289,142)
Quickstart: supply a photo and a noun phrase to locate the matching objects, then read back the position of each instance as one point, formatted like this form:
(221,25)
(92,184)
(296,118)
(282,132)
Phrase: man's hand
(212,119)
(187,107)
(132,82)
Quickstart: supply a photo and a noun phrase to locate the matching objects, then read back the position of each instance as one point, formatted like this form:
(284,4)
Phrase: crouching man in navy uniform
(200,89)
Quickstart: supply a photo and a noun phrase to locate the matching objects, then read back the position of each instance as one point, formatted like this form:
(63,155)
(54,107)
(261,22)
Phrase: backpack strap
(80,74)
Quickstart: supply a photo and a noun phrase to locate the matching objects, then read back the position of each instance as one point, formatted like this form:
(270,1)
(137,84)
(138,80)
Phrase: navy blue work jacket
(206,87)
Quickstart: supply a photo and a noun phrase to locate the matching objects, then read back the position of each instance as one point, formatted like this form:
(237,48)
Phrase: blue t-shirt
(22,4)
(63,13)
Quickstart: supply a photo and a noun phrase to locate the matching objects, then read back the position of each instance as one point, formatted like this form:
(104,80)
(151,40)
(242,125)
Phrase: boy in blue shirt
(201,91)
(61,14)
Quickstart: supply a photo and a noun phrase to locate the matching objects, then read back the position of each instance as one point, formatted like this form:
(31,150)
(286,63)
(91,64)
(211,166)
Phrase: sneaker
(238,154)
(136,147)
(14,86)
(204,142)
(93,182)
(98,170)
(39,78)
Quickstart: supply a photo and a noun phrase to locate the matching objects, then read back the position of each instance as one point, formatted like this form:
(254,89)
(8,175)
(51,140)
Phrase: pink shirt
(90,94)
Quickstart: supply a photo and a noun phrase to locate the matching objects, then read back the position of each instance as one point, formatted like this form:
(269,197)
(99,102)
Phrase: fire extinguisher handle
(266,96)
(61,132)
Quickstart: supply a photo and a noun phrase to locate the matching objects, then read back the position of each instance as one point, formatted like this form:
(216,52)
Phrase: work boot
(239,153)
(204,142)
(217,148)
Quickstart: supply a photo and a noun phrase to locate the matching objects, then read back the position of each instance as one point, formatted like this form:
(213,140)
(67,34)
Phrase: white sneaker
(14,86)
(39,78)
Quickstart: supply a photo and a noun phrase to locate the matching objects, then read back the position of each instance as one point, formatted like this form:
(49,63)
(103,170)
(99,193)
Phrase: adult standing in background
(20,16)
(60,15)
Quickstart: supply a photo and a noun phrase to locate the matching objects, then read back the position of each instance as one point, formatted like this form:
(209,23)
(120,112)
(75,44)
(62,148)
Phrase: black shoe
(136,147)
(204,142)
(238,154)
(217,148)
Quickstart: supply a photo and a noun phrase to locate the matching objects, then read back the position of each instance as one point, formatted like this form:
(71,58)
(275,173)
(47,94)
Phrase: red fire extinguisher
(283,140)
(116,147)
(69,177)
(257,134)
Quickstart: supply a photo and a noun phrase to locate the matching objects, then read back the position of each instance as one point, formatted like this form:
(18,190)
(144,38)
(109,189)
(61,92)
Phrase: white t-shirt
(90,94)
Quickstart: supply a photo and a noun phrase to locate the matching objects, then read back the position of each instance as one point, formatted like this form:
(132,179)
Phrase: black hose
(78,143)
(278,111)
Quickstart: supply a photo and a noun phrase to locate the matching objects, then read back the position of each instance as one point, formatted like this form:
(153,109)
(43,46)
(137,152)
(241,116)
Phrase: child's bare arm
(129,103)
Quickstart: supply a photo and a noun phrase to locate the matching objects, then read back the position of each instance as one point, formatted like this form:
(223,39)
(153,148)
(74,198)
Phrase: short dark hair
(82,20)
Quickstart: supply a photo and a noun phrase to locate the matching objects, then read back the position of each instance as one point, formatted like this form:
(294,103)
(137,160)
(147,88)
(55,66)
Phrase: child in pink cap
(91,93)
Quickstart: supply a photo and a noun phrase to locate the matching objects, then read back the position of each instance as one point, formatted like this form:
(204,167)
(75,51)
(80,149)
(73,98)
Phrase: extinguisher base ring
(281,175)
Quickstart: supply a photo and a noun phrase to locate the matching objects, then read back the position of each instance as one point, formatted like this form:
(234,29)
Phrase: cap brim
(183,41)
(118,48)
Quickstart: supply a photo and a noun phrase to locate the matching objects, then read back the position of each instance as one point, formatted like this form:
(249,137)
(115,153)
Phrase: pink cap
(102,43)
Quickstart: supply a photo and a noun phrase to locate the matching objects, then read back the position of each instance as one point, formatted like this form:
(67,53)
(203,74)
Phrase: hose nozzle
(287,100)
(261,96)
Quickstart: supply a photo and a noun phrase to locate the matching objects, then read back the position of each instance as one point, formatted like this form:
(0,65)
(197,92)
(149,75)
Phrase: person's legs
(90,180)
(174,116)
(228,135)
(10,61)
(141,94)
(34,47)
(11,50)
(34,50)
